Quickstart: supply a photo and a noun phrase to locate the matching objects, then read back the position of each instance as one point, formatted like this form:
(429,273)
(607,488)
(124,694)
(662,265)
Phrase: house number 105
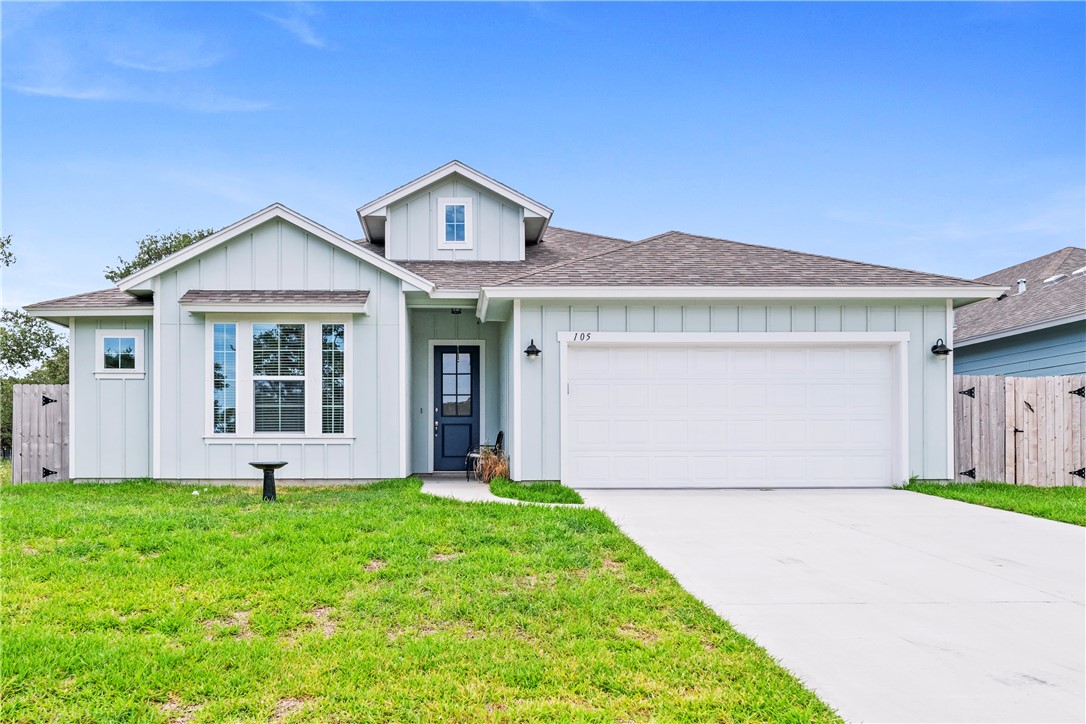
(582,336)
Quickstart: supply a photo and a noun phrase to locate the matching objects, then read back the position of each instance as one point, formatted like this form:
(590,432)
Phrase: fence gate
(1023,430)
(39,433)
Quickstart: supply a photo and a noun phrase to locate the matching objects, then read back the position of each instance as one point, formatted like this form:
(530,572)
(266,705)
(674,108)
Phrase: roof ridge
(588,233)
(1067,251)
(558,265)
(1060,257)
(821,256)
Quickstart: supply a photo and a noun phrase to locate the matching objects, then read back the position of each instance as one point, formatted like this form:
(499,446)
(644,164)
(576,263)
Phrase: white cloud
(298,23)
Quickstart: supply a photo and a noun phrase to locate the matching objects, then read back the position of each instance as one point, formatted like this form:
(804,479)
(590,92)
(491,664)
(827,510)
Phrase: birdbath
(269,469)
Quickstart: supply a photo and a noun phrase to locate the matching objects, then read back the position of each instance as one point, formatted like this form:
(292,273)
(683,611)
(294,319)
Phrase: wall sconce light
(939,349)
(532,350)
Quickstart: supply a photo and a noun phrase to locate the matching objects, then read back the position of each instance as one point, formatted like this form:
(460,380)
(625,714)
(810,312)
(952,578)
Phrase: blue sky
(943,137)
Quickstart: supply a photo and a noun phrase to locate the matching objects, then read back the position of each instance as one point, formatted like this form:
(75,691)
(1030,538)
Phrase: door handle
(435,427)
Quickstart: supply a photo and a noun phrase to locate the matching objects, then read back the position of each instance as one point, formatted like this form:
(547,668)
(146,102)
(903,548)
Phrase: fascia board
(260,217)
(1024,329)
(49,312)
(450,168)
(762,292)
(205,308)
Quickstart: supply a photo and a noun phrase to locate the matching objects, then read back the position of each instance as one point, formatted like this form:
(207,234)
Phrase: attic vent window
(454,223)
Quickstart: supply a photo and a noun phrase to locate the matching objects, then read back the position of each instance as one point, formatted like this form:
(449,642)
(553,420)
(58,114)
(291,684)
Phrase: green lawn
(144,602)
(1064,504)
(541,492)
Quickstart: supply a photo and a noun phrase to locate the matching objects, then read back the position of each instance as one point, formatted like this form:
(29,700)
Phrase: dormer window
(454,217)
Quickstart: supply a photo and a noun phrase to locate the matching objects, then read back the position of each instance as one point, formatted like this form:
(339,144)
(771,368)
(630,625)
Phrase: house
(678,360)
(1037,328)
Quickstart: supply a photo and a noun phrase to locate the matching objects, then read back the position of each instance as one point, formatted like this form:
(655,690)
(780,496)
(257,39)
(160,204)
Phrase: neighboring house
(679,360)
(1037,328)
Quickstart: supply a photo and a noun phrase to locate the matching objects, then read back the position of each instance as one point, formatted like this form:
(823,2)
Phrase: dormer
(454,213)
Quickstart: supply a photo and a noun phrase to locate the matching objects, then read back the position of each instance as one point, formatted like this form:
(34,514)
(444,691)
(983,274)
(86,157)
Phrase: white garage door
(758,417)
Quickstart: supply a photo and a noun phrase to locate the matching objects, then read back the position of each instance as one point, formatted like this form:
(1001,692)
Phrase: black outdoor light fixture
(939,349)
(532,350)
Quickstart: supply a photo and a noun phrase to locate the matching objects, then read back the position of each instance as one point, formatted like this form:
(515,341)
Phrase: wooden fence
(1023,430)
(39,433)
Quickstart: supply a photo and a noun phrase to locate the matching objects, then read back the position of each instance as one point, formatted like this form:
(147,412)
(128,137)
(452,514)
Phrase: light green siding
(279,255)
(111,418)
(413,226)
(427,325)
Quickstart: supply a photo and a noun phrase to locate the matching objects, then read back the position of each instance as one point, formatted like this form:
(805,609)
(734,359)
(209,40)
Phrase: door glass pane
(448,405)
(463,364)
(463,406)
(463,384)
(448,362)
(448,384)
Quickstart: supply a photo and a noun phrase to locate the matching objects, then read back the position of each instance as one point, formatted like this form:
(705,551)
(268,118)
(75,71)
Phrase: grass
(1065,504)
(146,602)
(541,492)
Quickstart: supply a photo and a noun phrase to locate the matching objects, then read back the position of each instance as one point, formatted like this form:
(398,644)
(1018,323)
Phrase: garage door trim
(897,341)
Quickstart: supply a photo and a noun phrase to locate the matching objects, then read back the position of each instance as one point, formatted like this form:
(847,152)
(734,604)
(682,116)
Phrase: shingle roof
(273,296)
(678,259)
(102,299)
(1038,304)
(558,245)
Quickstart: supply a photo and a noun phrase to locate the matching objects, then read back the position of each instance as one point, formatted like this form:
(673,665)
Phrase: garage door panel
(747,395)
(730,417)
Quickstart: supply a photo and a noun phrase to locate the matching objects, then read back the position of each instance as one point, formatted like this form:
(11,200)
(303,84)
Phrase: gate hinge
(970,473)
(1081,392)
(46,472)
(971,392)
(1081,472)
(46,400)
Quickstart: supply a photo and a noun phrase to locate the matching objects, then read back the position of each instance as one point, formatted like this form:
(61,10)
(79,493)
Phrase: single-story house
(674,361)
(1036,329)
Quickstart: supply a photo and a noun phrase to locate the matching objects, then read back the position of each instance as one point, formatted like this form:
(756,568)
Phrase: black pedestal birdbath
(269,469)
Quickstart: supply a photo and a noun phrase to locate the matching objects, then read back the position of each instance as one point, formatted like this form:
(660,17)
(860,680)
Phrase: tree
(7,257)
(155,247)
(25,342)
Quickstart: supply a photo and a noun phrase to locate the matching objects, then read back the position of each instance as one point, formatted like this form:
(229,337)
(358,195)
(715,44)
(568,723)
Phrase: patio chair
(476,452)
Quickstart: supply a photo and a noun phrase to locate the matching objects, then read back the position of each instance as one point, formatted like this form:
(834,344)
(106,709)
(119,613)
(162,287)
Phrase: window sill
(275,436)
(119,375)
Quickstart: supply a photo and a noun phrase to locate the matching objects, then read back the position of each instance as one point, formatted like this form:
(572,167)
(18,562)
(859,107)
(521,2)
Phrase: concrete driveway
(893,606)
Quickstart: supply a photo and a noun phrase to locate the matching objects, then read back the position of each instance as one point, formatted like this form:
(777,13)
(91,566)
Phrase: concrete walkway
(473,491)
(893,606)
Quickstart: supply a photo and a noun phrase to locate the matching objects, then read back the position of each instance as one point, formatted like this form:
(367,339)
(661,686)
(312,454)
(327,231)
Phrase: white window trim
(100,371)
(244,416)
(468,241)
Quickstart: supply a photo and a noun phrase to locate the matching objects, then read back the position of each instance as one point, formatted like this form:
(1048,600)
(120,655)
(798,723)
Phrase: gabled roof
(378,205)
(264,215)
(561,245)
(678,259)
(1040,306)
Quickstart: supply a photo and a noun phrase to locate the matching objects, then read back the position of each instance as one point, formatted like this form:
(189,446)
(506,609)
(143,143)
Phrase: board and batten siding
(279,255)
(110,418)
(426,325)
(413,226)
(1043,353)
(540,402)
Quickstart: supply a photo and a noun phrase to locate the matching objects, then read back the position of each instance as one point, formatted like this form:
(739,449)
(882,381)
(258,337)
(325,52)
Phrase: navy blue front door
(456,405)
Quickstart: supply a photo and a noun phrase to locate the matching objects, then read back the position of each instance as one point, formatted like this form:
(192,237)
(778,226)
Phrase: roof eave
(959,295)
(1021,329)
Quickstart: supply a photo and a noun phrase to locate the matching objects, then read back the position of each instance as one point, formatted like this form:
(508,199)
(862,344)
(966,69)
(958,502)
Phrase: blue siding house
(1035,329)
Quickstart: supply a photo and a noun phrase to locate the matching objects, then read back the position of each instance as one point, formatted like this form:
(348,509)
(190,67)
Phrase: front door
(456,405)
